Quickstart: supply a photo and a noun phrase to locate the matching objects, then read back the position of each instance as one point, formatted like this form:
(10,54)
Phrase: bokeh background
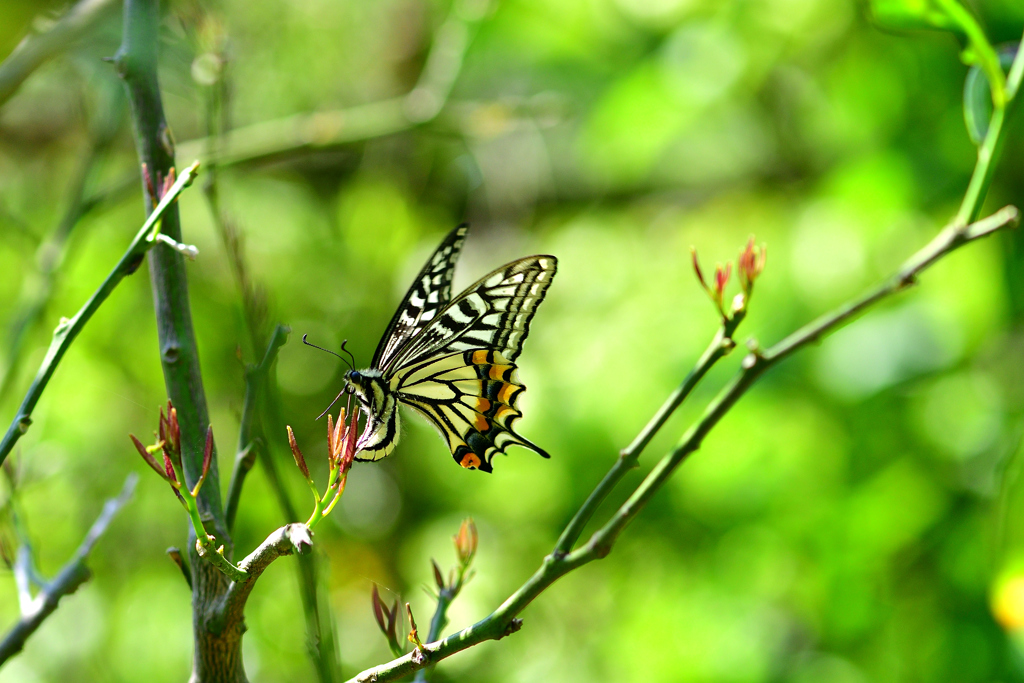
(857,517)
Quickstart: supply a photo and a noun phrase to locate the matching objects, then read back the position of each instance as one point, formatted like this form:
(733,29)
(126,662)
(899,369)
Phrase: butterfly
(453,360)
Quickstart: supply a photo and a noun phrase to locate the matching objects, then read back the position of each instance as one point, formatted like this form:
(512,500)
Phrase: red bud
(169,468)
(438,577)
(750,264)
(208,450)
(393,622)
(349,454)
(697,270)
(466,541)
(722,278)
(147,456)
(297,454)
(330,437)
(378,610)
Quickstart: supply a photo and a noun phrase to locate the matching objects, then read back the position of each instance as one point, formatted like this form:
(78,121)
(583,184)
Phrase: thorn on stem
(512,627)
(413,636)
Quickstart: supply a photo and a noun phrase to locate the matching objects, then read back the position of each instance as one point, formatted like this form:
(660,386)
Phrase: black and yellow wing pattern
(453,361)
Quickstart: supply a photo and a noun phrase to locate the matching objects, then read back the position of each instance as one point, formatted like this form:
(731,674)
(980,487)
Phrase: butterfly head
(368,387)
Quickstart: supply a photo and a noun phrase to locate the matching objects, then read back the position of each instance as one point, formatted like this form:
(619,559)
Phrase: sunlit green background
(850,520)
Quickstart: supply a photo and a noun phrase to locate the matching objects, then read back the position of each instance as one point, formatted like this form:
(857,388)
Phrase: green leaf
(946,15)
(978,97)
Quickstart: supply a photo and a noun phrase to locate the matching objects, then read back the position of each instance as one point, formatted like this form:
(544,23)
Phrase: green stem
(52,253)
(245,458)
(37,49)
(985,54)
(991,146)
(445,597)
(68,330)
(719,347)
(72,575)
(217,656)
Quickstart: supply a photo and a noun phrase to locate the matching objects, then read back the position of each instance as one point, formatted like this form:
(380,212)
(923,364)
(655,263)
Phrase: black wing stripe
(430,293)
(469,320)
(475,416)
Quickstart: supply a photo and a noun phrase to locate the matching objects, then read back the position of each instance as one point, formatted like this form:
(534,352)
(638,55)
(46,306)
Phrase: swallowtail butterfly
(453,360)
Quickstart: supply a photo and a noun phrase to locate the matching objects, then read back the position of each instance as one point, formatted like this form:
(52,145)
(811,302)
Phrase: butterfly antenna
(352,364)
(343,359)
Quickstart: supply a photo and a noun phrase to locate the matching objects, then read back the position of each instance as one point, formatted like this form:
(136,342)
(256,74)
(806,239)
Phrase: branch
(136,63)
(216,657)
(991,146)
(320,130)
(719,347)
(245,456)
(35,610)
(34,50)
(504,621)
(290,539)
(67,330)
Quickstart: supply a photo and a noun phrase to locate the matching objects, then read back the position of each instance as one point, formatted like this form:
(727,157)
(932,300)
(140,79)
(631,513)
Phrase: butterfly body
(453,361)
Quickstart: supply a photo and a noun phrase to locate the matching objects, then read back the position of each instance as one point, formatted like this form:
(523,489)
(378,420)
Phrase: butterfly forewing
(430,292)
(494,313)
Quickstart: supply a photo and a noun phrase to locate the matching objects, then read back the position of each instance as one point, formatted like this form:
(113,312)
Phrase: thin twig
(245,457)
(988,151)
(445,597)
(253,442)
(320,130)
(73,574)
(68,330)
(52,252)
(719,347)
(561,561)
(34,50)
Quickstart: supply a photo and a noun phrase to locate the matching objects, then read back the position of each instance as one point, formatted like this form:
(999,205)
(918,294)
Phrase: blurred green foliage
(856,517)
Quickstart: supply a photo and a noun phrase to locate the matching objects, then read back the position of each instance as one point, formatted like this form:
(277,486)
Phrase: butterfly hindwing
(430,292)
(471,397)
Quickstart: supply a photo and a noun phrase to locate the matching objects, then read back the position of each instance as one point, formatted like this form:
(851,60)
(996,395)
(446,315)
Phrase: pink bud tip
(378,610)
(147,456)
(208,450)
(297,454)
(696,268)
(466,541)
(438,576)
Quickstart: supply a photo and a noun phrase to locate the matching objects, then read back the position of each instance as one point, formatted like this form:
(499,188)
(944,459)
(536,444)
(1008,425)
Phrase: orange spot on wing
(470,460)
(480,357)
(482,404)
(506,392)
(504,412)
(497,371)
